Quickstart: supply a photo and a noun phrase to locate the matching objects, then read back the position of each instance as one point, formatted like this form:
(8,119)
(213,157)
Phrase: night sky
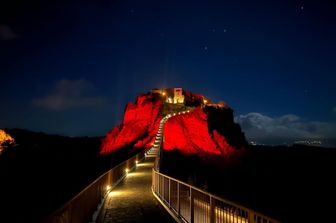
(70,67)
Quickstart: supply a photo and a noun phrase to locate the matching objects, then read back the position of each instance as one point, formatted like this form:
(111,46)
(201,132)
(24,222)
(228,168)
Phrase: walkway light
(108,187)
(126,170)
(136,162)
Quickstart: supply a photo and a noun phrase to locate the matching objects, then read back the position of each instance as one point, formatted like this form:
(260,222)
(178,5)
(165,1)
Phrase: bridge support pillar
(251,216)
(178,198)
(212,210)
(191,206)
(169,193)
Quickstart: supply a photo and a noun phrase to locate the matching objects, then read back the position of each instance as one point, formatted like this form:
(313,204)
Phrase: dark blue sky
(69,67)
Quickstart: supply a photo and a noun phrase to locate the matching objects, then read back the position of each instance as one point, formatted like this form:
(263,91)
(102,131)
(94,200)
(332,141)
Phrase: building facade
(178,96)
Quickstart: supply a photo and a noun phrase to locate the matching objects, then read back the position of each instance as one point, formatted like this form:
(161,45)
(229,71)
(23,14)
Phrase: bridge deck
(132,200)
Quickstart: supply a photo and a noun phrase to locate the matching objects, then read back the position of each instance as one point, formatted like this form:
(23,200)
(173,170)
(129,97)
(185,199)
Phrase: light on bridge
(126,170)
(119,193)
(108,187)
(144,164)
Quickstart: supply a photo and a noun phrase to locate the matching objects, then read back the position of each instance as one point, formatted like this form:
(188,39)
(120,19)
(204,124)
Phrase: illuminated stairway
(154,151)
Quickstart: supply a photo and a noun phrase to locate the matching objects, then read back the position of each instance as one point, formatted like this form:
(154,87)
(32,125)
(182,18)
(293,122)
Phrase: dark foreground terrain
(292,184)
(42,172)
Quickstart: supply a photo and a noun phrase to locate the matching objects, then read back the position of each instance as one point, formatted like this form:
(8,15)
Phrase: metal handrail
(199,205)
(81,207)
(191,204)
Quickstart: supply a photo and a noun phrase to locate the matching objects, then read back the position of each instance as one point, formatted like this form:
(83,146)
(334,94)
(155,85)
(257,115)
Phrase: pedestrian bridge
(135,191)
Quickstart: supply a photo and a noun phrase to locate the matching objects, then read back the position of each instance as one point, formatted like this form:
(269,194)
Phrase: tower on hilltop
(178,96)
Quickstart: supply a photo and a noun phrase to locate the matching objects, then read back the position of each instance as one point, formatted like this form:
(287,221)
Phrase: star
(301,7)
(224,30)
(205,48)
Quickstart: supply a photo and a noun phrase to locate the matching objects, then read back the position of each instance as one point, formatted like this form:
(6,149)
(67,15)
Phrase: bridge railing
(192,205)
(81,207)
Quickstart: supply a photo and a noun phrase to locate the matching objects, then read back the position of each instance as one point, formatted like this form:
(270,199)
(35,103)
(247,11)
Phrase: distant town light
(205,101)
(163,93)
(5,139)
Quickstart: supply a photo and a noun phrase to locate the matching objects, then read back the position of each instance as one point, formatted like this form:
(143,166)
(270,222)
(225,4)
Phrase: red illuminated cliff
(208,130)
(139,126)
(194,133)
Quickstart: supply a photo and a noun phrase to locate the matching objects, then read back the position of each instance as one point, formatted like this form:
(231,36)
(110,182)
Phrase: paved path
(132,200)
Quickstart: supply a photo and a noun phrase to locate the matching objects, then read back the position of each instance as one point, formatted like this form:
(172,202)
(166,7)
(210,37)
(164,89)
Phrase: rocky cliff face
(138,129)
(221,119)
(205,131)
